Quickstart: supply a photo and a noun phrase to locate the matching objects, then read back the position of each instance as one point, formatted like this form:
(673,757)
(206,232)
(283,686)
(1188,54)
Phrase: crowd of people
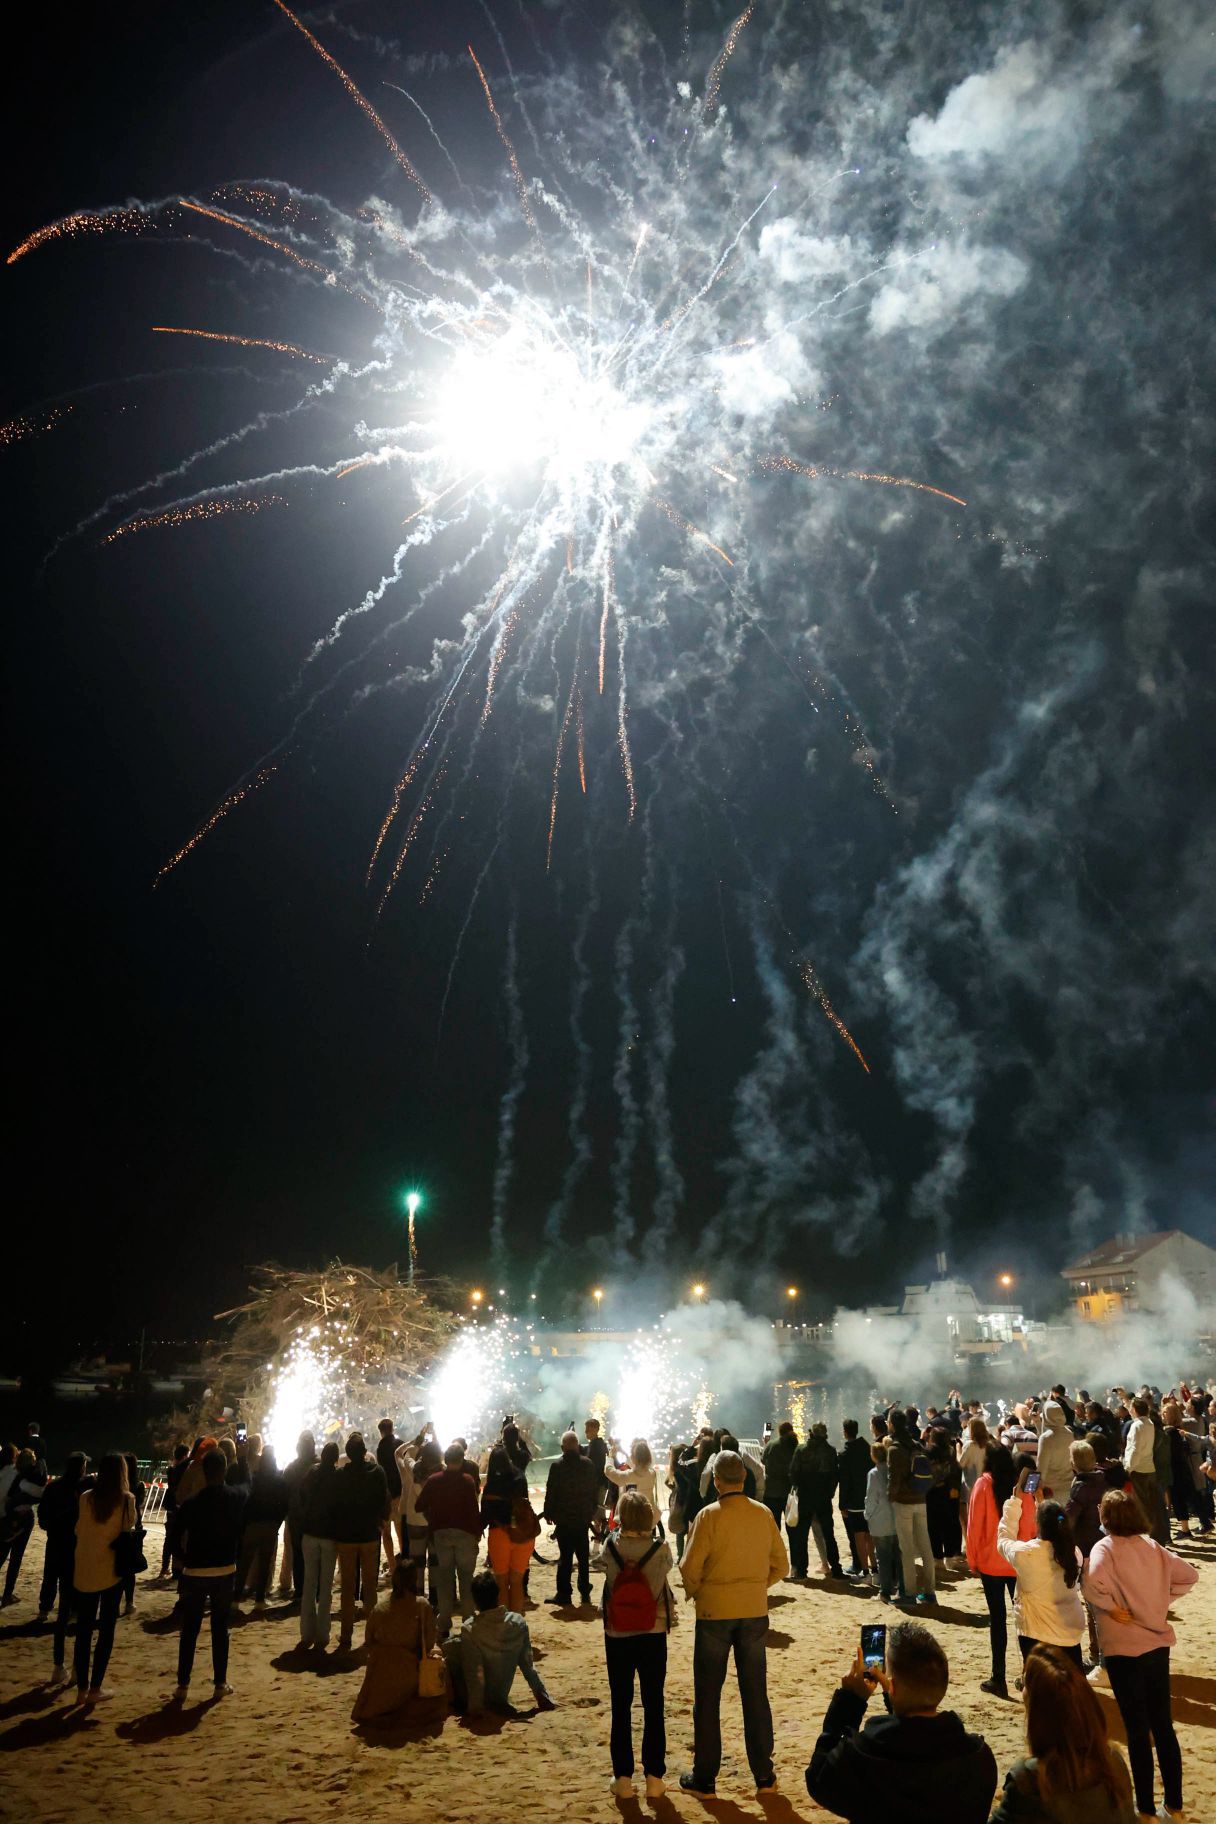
(1062,1507)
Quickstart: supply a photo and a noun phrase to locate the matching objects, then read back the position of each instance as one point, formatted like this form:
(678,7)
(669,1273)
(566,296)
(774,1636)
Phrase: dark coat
(1084,1500)
(917,1769)
(361,1503)
(572,1491)
(815,1472)
(855,1464)
(777,1457)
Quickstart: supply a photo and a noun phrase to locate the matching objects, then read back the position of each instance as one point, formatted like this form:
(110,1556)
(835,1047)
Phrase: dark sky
(1009,296)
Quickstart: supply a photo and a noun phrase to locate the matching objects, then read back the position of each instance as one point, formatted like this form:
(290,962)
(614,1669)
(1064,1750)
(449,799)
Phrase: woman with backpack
(639,1613)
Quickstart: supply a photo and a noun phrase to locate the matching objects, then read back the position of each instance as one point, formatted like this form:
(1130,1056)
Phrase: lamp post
(699,1291)
(475,1298)
(412,1203)
(598,1296)
(791,1292)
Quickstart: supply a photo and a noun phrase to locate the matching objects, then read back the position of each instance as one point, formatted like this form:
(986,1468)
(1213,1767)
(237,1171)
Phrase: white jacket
(1055,1463)
(1045,1607)
(1138,1451)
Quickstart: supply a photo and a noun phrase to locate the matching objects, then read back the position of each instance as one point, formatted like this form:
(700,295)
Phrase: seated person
(492,1645)
(400,1629)
(917,1764)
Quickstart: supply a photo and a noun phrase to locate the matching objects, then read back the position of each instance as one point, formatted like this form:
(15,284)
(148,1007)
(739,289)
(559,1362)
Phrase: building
(1129,1273)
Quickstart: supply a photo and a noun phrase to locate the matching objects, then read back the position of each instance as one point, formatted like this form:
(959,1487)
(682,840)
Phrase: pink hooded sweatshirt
(1139,1575)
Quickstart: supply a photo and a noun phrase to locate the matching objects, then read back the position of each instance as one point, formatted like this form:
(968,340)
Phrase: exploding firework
(593,386)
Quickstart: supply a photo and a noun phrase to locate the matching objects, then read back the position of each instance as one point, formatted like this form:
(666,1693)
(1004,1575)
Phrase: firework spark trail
(517,1041)
(361,463)
(678,316)
(267,240)
(630,1130)
(214,335)
(582,745)
(360,100)
(820,994)
(455,168)
(643,231)
(415,824)
(557,767)
(520,182)
(32,424)
(622,712)
(723,58)
(771,464)
(607,609)
(221,810)
(83,222)
(201,509)
(678,519)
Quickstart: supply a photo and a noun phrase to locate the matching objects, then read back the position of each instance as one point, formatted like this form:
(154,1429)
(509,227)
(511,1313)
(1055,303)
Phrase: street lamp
(475,1298)
(1006,1279)
(699,1290)
(412,1203)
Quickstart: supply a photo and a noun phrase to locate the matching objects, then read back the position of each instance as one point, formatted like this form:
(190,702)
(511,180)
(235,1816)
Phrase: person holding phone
(1047,1600)
(989,1498)
(917,1763)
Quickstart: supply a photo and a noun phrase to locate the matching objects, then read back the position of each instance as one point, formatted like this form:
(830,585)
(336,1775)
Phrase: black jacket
(572,1491)
(815,1472)
(360,1502)
(267,1498)
(777,1456)
(295,1475)
(316,1504)
(58,1509)
(917,1769)
(386,1457)
(855,1463)
(211,1524)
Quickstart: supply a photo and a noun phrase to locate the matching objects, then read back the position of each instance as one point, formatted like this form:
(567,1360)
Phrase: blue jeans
(890,1565)
(455,1558)
(710,1658)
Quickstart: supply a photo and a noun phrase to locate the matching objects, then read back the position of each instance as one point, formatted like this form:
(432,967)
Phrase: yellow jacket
(733,1553)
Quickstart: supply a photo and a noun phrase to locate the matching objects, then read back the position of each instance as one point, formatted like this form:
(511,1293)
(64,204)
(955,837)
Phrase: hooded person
(1054,1461)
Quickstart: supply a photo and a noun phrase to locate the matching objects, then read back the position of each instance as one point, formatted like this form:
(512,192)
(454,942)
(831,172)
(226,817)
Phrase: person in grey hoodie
(880,1521)
(492,1646)
(1054,1462)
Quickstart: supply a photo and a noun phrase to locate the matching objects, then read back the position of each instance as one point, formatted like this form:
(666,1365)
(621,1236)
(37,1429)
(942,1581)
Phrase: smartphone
(874,1647)
(1032,1482)
(242,1432)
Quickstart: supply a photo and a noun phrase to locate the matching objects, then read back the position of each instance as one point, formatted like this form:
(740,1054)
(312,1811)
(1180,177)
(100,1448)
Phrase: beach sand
(283,1749)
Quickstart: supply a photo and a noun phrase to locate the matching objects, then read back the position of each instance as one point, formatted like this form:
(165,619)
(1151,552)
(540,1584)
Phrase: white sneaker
(59,1678)
(224,1690)
(622,1788)
(1099,1676)
(655,1787)
(99,1694)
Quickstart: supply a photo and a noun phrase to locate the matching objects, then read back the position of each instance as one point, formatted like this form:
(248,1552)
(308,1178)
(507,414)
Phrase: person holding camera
(1047,1598)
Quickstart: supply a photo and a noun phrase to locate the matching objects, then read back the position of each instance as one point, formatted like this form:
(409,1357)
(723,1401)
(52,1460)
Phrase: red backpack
(630,1606)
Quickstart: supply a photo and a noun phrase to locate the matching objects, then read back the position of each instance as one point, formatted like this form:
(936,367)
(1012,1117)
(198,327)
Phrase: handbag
(129,1553)
(791,1508)
(433,1674)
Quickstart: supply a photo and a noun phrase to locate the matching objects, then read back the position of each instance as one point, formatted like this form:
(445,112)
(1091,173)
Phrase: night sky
(959,760)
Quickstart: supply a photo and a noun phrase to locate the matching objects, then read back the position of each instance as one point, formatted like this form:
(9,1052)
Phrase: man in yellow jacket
(733,1555)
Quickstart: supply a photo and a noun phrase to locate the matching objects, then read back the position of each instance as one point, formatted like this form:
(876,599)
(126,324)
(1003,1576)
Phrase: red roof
(1122,1251)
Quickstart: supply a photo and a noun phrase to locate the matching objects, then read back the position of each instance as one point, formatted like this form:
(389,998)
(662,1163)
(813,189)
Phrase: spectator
(386,1457)
(510,1520)
(57,1512)
(988,1501)
(492,1646)
(265,1512)
(688,1476)
(639,1611)
(400,1633)
(1072,1774)
(1138,1454)
(753,1467)
(596,1451)
(1047,1599)
(20,1492)
(317,1513)
(1130,1584)
(777,1457)
(916,1765)
(572,1494)
(943,1503)
(139,1489)
(1185,1474)
(853,1467)
(210,1531)
(880,1522)
(448,1503)
(815,1472)
(173,1476)
(361,1507)
(106,1511)
(637,1472)
(909,1479)
(733,1555)
(294,1477)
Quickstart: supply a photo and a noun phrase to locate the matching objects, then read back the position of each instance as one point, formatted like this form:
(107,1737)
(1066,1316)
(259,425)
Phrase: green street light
(413,1202)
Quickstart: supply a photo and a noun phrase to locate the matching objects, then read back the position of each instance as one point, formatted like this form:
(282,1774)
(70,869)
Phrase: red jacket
(449,1498)
(982,1519)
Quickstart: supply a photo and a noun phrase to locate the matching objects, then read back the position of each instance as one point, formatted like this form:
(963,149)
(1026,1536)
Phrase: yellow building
(1140,1273)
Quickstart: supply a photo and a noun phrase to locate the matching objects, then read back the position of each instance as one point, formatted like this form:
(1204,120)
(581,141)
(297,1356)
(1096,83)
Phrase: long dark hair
(74,1467)
(503,1474)
(111,1485)
(1056,1528)
(999,1464)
